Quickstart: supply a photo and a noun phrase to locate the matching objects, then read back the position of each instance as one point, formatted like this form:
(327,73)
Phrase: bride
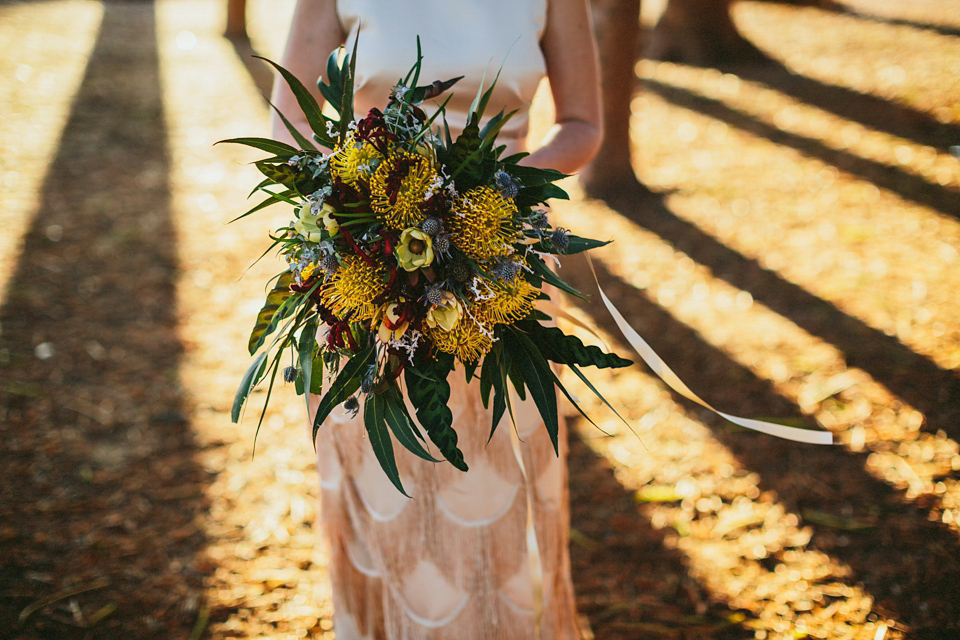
(481,554)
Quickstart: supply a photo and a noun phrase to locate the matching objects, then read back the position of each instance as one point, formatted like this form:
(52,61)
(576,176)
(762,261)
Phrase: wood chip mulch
(796,257)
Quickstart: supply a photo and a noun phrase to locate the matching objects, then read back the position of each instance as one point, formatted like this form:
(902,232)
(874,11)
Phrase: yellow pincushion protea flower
(399,185)
(353,287)
(469,340)
(481,224)
(509,304)
(354,160)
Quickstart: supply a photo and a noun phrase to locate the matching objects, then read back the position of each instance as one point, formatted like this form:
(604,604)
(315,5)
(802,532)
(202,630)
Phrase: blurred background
(783,186)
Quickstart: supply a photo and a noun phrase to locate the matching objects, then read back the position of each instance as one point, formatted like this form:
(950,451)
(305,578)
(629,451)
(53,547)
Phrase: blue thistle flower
(560,239)
(505,184)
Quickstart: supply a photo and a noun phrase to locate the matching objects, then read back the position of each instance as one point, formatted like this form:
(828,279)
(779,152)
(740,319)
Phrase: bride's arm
(314,32)
(573,71)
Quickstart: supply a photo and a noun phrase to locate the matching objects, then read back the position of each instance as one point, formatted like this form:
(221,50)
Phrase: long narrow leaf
(264,144)
(294,132)
(500,393)
(430,401)
(308,104)
(542,271)
(344,386)
(592,388)
(376,424)
(308,338)
(263,205)
(271,313)
(401,425)
(538,378)
(247,383)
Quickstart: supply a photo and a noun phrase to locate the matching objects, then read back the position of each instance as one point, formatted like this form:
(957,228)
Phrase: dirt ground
(799,259)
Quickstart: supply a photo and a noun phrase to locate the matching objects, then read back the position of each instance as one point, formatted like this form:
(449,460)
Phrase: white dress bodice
(472,38)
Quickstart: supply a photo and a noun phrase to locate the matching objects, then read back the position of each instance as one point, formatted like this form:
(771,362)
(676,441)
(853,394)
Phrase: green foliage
(273,311)
(345,385)
(375,422)
(250,379)
(538,378)
(561,348)
(430,401)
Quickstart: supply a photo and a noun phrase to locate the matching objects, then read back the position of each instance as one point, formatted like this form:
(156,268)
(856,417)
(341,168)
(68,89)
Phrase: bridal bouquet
(410,251)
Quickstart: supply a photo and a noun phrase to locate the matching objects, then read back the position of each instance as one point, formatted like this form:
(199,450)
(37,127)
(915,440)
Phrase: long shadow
(100,484)
(942,29)
(628,583)
(907,185)
(910,566)
(872,111)
(915,378)
(259,71)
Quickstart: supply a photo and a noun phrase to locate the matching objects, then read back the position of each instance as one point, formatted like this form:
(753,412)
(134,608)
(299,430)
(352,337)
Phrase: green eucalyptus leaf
(332,90)
(316,379)
(487,373)
(293,131)
(247,383)
(308,339)
(274,310)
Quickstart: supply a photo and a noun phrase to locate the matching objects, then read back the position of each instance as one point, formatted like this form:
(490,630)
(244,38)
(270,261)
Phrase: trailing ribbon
(659,367)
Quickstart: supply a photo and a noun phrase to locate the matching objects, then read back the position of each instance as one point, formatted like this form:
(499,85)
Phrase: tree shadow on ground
(869,110)
(905,184)
(906,562)
(911,376)
(628,582)
(944,30)
(101,491)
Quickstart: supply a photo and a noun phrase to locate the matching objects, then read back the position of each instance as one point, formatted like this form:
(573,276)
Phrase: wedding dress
(481,554)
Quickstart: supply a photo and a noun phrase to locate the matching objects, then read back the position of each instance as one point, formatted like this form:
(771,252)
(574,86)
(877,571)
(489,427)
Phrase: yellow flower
(509,304)
(415,249)
(399,185)
(390,330)
(481,224)
(354,160)
(468,340)
(353,288)
(445,314)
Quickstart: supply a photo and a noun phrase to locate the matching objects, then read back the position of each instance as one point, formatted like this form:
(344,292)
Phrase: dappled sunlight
(799,264)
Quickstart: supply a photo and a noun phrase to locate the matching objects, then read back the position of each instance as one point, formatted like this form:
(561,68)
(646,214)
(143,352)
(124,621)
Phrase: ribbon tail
(672,380)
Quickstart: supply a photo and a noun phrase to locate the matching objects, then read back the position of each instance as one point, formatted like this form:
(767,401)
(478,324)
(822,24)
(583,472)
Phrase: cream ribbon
(659,367)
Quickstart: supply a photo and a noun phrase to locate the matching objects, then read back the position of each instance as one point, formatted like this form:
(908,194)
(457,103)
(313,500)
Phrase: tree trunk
(700,32)
(617,28)
(236,19)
